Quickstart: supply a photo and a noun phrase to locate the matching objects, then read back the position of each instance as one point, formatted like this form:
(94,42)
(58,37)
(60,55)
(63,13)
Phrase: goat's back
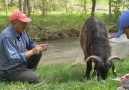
(94,38)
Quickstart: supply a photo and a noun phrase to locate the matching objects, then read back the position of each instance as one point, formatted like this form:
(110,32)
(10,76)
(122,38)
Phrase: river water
(62,51)
(69,50)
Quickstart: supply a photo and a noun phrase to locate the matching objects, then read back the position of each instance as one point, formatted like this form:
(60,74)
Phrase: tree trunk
(28,8)
(32,8)
(110,1)
(20,5)
(24,6)
(93,7)
(43,8)
(124,3)
(85,6)
(11,2)
(66,8)
(6,7)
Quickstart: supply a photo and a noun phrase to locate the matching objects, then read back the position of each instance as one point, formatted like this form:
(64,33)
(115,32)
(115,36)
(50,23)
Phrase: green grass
(62,77)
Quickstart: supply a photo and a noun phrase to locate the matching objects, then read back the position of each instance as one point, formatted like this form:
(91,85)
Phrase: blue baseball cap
(123,22)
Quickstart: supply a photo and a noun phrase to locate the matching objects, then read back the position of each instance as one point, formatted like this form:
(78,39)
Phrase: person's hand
(37,49)
(44,47)
(126,76)
(124,79)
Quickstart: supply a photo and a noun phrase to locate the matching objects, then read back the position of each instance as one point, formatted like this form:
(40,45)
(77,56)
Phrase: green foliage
(116,4)
(57,23)
(4,21)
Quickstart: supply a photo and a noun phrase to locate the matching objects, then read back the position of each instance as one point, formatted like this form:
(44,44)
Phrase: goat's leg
(88,69)
(94,73)
(98,76)
(85,54)
(114,70)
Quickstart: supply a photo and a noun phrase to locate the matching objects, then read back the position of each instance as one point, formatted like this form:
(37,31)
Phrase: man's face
(127,32)
(19,26)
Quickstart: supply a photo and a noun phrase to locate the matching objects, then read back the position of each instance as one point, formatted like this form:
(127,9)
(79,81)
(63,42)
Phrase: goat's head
(102,66)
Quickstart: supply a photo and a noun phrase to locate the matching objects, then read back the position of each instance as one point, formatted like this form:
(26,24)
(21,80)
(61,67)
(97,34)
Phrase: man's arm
(11,52)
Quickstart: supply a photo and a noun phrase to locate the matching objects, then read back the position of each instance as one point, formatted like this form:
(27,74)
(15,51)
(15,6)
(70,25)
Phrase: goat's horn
(115,57)
(96,58)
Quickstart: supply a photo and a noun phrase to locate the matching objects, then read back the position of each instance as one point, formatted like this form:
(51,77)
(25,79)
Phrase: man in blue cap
(123,22)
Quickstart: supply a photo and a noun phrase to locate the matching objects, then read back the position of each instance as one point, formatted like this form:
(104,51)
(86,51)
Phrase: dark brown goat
(95,44)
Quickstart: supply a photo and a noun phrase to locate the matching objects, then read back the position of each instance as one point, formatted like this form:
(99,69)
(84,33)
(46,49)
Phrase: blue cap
(123,22)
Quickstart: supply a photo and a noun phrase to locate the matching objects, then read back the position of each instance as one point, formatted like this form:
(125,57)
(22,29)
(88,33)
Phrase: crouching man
(19,56)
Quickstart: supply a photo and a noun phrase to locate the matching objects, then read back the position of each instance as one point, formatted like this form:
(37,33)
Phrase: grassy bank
(62,77)
(57,25)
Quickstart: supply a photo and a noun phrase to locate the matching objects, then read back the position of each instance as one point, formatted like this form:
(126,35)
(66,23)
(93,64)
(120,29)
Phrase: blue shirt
(13,48)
